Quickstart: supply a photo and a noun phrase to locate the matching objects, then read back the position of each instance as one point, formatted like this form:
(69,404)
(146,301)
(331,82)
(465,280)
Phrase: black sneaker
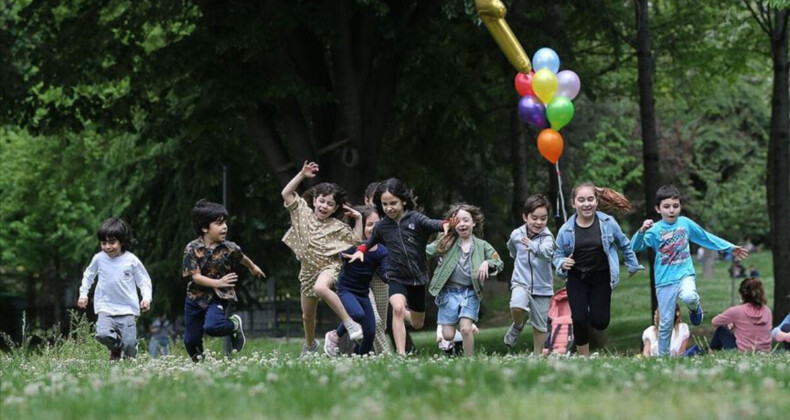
(237,339)
(115,354)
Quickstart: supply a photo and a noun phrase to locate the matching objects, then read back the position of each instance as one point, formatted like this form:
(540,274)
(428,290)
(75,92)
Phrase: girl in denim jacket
(586,256)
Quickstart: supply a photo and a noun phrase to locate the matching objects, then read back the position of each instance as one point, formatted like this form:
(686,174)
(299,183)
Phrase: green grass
(73,379)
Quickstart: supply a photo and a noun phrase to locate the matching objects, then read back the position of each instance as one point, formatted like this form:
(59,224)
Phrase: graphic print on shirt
(674,247)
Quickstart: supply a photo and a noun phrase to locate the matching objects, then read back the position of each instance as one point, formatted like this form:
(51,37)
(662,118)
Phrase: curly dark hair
(326,189)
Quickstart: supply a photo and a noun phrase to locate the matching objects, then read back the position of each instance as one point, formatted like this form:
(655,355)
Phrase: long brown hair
(447,241)
(608,199)
(677,319)
(751,290)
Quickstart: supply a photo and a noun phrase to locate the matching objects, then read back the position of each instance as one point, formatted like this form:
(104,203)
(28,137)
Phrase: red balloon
(524,84)
(550,145)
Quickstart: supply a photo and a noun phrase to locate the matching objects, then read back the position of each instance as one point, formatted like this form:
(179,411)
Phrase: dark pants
(361,311)
(210,320)
(590,299)
(723,339)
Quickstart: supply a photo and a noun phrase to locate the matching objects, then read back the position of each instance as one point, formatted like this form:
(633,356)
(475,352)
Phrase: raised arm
(309,170)
(543,248)
(254,269)
(629,256)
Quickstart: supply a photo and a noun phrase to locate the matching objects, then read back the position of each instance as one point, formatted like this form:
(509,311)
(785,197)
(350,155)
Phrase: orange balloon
(550,145)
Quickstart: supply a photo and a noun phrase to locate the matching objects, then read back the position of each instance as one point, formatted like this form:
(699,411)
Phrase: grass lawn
(73,379)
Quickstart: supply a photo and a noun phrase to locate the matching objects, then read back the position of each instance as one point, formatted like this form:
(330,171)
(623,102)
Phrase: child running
(210,263)
(353,289)
(465,263)
(674,269)
(404,231)
(531,246)
(586,255)
(317,237)
(115,300)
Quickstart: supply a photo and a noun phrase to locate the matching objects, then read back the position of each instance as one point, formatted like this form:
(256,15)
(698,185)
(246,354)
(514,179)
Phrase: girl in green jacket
(465,263)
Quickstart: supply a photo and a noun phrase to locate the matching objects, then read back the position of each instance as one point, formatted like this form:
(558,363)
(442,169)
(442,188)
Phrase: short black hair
(667,191)
(535,202)
(206,212)
(114,229)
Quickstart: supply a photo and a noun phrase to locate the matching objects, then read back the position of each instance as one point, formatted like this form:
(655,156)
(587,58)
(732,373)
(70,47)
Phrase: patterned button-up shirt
(213,263)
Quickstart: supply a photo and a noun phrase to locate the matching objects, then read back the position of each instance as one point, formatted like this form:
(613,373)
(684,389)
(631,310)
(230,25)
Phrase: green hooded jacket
(483,251)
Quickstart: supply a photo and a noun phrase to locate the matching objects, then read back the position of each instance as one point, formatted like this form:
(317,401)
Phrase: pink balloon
(568,84)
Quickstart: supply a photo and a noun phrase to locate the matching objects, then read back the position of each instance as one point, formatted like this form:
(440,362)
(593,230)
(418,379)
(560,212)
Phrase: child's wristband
(362,248)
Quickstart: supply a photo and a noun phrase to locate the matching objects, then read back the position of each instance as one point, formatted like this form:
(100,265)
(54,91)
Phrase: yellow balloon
(492,12)
(544,83)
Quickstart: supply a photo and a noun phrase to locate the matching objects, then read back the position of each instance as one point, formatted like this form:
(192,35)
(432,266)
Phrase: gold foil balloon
(544,83)
(493,12)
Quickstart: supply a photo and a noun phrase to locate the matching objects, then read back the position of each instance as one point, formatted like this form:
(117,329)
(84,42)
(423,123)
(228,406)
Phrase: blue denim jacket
(612,237)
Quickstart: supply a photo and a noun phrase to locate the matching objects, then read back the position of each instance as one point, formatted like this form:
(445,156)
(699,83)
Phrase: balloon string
(560,196)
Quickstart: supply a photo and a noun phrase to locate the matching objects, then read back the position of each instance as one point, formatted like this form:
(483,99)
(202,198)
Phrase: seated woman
(680,336)
(747,326)
(781,333)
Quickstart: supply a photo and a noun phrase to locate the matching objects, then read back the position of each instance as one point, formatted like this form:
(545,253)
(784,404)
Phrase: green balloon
(559,112)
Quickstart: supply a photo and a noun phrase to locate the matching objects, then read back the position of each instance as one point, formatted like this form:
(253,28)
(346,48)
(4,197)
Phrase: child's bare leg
(309,307)
(398,303)
(323,288)
(538,339)
(448,332)
(467,333)
(518,316)
(416,319)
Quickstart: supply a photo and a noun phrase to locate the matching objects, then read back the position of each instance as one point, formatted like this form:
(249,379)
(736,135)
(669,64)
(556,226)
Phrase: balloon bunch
(546,96)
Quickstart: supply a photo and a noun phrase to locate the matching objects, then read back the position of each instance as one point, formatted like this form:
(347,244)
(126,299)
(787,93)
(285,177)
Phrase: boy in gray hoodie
(532,247)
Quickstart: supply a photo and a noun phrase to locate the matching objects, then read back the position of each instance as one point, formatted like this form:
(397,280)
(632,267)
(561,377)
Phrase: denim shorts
(455,303)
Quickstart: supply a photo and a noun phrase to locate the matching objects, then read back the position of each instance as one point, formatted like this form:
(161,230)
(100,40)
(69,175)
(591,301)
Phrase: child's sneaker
(237,339)
(696,315)
(115,354)
(512,335)
(354,330)
(310,351)
(331,343)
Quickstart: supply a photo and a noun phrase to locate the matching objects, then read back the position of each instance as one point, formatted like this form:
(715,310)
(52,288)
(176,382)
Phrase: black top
(588,250)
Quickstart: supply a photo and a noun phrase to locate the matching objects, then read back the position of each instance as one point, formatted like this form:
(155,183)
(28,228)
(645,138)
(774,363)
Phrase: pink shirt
(751,326)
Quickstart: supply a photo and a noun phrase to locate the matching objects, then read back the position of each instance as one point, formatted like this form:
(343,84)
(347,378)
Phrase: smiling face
(324,206)
(370,222)
(217,231)
(536,220)
(392,205)
(111,247)
(669,209)
(466,224)
(585,202)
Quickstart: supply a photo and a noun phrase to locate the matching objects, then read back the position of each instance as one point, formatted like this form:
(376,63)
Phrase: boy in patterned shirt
(209,262)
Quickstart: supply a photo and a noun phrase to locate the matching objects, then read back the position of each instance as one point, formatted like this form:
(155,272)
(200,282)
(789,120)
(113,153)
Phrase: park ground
(72,378)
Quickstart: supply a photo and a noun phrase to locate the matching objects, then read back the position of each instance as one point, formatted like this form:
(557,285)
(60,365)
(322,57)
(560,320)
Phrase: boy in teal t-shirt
(674,269)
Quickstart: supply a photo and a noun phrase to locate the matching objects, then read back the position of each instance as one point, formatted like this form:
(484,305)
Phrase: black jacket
(405,242)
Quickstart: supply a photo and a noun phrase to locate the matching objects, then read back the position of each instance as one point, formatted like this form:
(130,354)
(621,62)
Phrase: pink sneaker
(331,343)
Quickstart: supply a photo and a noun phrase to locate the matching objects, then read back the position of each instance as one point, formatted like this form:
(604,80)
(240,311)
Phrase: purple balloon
(532,111)
(568,84)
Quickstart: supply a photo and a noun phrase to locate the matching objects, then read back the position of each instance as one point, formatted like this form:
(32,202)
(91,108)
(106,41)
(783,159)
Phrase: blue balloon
(546,58)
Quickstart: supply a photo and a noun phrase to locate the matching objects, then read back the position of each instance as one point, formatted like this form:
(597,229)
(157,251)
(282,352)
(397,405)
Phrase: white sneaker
(331,343)
(354,330)
(512,335)
(310,351)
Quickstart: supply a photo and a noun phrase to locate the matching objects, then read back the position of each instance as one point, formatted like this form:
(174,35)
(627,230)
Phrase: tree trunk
(648,121)
(778,179)
(518,160)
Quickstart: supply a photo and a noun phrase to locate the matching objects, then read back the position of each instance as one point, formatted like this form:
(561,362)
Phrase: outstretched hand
(357,256)
(309,169)
(740,252)
(257,272)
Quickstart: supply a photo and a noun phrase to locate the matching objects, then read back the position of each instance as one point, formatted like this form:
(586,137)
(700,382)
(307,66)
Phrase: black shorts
(415,295)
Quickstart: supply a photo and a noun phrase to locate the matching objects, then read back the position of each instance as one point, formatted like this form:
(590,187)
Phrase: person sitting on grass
(680,336)
(747,326)
(781,333)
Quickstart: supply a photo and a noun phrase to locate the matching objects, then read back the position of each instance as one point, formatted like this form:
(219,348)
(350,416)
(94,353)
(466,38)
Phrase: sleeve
(784,324)
(726,317)
(430,250)
(89,276)
(640,241)
(559,256)
(511,245)
(382,269)
(701,237)
(495,264)
(428,224)
(142,279)
(683,331)
(236,254)
(648,334)
(629,256)
(375,237)
(190,265)
(543,248)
